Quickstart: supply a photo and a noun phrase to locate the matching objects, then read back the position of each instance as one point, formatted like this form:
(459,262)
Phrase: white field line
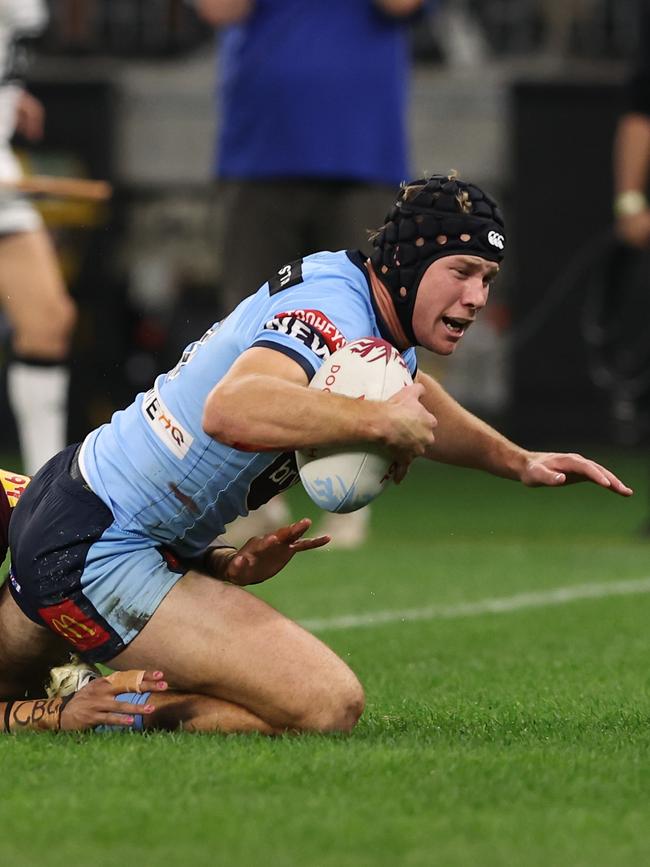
(495,605)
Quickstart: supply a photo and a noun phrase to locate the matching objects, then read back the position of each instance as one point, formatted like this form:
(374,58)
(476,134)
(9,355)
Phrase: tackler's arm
(94,704)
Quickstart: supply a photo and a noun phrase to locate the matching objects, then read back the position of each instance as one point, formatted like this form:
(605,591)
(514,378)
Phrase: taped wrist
(226,553)
(41,714)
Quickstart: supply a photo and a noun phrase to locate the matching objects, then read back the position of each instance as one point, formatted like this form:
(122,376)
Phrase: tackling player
(78,697)
(101,702)
(110,543)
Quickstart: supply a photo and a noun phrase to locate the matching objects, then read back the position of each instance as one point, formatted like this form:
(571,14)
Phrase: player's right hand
(409,430)
(95,704)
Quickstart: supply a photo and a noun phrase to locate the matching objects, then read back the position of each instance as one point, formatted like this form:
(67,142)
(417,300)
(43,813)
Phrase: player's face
(451,293)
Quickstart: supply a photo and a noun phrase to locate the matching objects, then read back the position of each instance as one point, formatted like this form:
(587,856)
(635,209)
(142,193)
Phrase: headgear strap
(445,217)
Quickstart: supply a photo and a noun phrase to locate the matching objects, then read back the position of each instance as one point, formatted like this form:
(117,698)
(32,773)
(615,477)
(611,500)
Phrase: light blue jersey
(99,539)
(161,476)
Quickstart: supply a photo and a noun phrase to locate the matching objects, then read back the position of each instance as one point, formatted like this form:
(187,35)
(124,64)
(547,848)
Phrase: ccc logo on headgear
(496,239)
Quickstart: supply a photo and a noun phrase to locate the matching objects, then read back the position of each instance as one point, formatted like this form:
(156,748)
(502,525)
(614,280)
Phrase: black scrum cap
(445,217)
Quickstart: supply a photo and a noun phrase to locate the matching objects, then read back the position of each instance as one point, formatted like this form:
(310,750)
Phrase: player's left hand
(263,557)
(556,469)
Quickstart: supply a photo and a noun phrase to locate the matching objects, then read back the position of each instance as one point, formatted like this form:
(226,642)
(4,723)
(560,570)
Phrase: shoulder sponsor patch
(311,327)
(166,427)
(287,275)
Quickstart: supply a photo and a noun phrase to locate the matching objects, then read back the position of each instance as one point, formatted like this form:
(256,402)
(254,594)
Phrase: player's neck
(384,304)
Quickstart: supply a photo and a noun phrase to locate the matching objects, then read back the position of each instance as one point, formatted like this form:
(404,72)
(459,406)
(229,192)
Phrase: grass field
(513,738)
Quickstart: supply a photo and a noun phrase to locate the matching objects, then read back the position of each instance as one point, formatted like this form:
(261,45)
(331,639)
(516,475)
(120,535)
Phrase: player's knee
(349,709)
(336,709)
(345,708)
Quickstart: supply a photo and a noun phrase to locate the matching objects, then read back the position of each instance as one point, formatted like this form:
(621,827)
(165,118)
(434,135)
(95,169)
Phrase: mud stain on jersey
(187,501)
(130,620)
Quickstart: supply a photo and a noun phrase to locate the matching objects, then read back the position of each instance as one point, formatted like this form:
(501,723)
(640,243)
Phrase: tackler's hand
(263,557)
(95,703)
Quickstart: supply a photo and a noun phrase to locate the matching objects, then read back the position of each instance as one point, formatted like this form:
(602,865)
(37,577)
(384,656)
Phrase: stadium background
(130,97)
(510,732)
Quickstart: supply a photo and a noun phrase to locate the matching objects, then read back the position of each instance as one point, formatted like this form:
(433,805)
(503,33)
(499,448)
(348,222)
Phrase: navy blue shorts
(74,571)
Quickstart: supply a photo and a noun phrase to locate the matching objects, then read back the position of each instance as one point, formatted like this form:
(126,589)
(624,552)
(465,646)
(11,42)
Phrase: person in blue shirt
(111,543)
(312,105)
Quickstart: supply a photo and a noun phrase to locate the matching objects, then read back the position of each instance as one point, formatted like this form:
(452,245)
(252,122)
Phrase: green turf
(509,739)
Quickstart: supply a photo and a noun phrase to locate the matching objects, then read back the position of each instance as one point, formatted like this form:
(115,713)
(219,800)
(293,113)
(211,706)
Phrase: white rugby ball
(343,481)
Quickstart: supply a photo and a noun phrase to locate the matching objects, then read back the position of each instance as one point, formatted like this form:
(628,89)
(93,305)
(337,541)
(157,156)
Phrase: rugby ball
(345,480)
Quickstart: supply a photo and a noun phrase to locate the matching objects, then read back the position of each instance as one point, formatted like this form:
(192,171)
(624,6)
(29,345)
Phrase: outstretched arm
(93,705)
(464,440)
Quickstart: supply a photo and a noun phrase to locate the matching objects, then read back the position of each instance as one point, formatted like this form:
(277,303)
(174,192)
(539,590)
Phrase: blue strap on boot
(138,722)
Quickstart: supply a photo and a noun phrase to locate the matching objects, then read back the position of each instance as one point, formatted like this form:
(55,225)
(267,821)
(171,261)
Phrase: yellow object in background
(65,218)
(14,484)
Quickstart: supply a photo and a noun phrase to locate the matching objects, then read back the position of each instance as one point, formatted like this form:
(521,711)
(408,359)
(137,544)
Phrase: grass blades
(520,738)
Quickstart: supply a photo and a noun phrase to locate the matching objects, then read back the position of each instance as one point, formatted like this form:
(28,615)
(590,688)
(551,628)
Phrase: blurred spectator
(124,28)
(313,138)
(74,21)
(632,148)
(632,156)
(460,34)
(313,126)
(560,18)
(560,29)
(32,294)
